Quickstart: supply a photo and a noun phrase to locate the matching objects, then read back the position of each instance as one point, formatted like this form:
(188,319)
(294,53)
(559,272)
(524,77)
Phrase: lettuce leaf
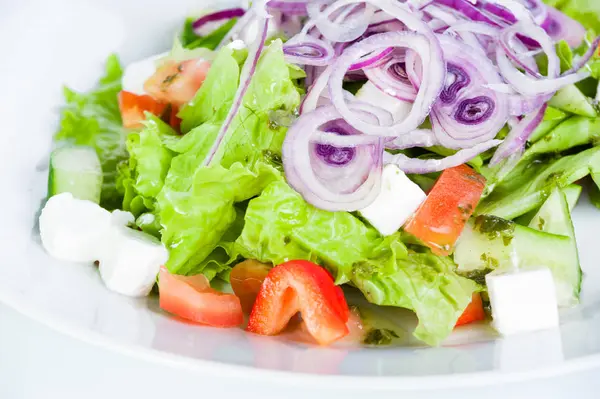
(142,177)
(94,119)
(196,213)
(280,226)
(587,12)
(197,204)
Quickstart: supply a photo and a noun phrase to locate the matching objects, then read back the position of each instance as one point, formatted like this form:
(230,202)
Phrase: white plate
(45,44)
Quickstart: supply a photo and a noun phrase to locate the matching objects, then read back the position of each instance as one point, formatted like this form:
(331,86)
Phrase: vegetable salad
(426,154)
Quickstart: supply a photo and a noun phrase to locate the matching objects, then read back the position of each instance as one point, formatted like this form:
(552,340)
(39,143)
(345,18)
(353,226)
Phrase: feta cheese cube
(136,74)
(523,300)
(369,93)
(398,200)
(129,266)
(71,229)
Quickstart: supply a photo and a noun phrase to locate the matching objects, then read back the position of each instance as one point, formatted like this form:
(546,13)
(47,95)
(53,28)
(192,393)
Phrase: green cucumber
(76,170)
(490,243)
(572,100)
(572,192)
(554,217)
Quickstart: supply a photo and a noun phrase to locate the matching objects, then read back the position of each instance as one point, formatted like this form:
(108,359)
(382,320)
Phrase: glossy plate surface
(46,44)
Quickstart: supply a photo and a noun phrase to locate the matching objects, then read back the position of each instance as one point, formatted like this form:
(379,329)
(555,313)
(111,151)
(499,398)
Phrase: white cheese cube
(129,266)
(71,229)
(398,200)
(369,93)
(523,300)
(136,74)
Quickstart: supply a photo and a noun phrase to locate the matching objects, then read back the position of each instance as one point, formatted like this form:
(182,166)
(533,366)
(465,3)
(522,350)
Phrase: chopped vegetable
(246,279)
(300,286)
(134,107)
(193,299)
(473,312)
(177,82)
(442,217)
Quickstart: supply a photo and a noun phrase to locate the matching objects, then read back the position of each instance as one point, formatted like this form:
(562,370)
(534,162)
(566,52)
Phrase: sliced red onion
(209,22)
(311,101)
(526,85)
(429,51)
(308,51)
(521,105)
(518,135)
(390,77)
(467,111)
(423,166)
(246,74)
(329,177)
(417,138)
(341,21)
(241,24)
(561,27)
(469,11)
(289,7)
(584,59)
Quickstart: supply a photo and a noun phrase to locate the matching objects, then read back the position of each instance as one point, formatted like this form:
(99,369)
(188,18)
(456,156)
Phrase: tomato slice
(192,298)
(246,279)
(441,218)
(473,312)
(300,286)
(177,82)
(174,120)
(132,108)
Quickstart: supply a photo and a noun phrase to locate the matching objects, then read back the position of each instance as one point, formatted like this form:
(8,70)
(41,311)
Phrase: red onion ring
(518,135)
(328,177)
(246,74)
(433,79)
(289,7)
(223,15)
(423,166)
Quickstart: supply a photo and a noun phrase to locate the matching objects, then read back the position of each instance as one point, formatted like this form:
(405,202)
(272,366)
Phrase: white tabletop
(37,362)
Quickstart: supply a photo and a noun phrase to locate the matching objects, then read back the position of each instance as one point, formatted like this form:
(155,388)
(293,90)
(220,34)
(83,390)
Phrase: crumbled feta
(81,231)
(71,229)
(130,264)
(398,200)
(136,74)
(369,93)
(523,300)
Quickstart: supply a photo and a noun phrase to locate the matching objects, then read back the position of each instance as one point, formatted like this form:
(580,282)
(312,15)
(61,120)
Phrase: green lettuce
(94,119)
(142,177)
(197,205)
(587,12)
(280,226)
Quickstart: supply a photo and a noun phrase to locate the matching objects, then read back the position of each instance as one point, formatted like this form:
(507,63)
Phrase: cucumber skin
(92,180)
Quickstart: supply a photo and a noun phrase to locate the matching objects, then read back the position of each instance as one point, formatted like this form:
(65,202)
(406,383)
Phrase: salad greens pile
(240,207)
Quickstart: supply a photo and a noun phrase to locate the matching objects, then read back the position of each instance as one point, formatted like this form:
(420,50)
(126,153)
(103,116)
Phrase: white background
(37,362)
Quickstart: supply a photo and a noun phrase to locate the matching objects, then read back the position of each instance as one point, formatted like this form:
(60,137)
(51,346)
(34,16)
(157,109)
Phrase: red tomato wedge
(473,312)
(133,106)
(177,82)
(191,298)
(174,120)
(441,218)
(300,286)
(246,278)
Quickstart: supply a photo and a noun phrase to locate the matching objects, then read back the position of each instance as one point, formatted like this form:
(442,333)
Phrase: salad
(421,154)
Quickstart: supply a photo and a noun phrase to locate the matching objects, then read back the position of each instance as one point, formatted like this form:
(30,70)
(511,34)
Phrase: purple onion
(223,15)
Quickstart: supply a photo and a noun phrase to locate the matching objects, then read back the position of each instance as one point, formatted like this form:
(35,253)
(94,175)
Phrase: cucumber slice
(75,170)
(554,217)
(572,192)
(572,100)
(489,242)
